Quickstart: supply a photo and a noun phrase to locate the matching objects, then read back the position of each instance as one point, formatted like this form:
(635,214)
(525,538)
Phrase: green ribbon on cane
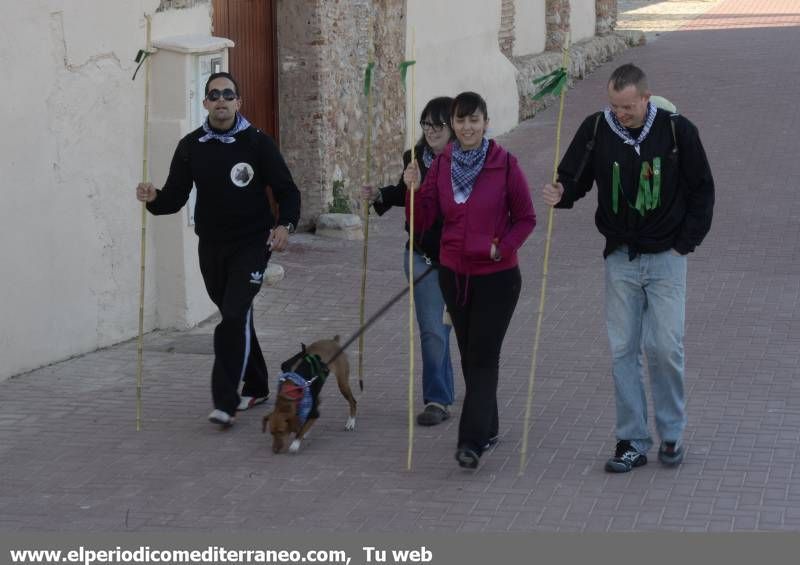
(551,84)
(368,78)
(404,70)
(141,56)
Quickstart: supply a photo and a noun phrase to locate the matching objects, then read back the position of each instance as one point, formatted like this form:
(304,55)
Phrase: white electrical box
(190,60)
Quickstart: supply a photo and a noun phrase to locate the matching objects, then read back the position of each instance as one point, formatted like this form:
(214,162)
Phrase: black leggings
(480,307)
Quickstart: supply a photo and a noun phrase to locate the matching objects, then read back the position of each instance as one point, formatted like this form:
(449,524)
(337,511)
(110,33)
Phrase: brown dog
(297,401)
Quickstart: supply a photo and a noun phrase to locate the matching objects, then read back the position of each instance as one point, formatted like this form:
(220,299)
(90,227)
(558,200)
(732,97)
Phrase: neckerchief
(427,157)
(239,125)
(623,133)
(465,167)
(306,402)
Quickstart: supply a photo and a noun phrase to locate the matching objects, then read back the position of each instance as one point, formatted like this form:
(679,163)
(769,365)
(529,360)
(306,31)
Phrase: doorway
(250,24)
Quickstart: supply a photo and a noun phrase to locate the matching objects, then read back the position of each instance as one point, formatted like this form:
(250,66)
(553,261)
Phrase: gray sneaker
(432,415)
(625,458)
(670,453)
(467,457)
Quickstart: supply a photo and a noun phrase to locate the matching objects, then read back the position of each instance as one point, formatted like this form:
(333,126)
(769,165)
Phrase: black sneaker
(432,415)
(494,440)
(670,453)
(625,458)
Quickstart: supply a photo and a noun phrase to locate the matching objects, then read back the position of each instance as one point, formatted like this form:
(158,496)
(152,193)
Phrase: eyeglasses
(228,94)
(429,127)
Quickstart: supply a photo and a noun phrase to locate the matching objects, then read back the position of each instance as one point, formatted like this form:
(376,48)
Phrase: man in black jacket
(655,197)
(231,163)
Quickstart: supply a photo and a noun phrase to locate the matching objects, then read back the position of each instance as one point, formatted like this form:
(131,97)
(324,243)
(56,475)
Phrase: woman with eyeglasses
(437,370)
(479,190)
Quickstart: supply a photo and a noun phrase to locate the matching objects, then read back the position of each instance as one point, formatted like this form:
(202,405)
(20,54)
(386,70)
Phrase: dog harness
(295,386)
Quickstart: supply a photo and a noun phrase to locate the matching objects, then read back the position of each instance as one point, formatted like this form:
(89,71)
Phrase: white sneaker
(247,402)
(222,418)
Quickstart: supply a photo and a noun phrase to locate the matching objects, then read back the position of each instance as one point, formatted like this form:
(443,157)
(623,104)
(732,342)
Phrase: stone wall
(323,51)
(507,31)
(606,11)
(388,99)
(557,22)
(583,57)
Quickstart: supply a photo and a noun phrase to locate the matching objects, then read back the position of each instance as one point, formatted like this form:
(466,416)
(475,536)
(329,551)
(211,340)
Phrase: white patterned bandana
(427,157)
(240,125)
(623,132)
(465,167)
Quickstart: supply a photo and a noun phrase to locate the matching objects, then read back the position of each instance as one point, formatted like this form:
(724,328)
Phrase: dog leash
(377,315)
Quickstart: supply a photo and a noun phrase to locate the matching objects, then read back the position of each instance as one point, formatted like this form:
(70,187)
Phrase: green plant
(341,203)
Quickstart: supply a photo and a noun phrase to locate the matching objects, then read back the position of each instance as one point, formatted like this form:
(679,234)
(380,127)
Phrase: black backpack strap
(587,153)
(674,136)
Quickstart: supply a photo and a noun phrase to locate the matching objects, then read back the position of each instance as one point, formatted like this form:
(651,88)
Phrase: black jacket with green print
(231,180)
(683,217)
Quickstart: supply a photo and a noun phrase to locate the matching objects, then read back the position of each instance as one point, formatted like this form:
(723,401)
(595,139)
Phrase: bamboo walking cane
(145,175)
(411,189)
(552,82)
(365,205)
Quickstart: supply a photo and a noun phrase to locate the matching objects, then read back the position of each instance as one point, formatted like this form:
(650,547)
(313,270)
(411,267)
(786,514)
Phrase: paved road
(71,460)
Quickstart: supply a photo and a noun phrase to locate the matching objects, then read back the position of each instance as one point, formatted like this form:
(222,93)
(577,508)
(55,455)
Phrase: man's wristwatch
(289,227)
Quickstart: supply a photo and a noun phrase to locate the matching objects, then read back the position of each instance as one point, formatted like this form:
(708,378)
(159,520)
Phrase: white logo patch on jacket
(242,174)
(256,277)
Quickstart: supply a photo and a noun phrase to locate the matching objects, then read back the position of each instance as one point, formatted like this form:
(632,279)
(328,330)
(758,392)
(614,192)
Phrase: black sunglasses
(228,94)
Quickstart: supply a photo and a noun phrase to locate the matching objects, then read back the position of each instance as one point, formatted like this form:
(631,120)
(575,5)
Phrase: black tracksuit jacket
(232,205)
(426,242)
(687,189)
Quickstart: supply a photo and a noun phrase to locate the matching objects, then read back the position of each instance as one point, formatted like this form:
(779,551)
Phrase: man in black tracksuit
(655,198)
(231,163)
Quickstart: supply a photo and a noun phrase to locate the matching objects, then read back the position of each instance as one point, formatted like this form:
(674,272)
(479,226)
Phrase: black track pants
(480,307)
(233,275)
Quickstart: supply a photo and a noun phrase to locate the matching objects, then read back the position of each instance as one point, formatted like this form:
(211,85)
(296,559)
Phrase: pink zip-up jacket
(499,208)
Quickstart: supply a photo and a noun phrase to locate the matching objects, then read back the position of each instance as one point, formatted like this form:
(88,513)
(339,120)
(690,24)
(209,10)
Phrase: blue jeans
(437,371)
(645,312)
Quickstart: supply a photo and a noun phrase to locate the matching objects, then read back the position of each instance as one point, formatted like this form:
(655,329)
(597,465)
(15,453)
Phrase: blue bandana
(623,132)
(465,167)
(240,125)
(305,404)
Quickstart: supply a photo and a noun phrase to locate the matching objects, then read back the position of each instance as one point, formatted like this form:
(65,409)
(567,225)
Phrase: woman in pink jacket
(483,196)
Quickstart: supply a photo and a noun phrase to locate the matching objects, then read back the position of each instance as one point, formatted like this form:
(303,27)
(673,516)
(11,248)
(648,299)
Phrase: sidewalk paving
(71,459)
(656,17)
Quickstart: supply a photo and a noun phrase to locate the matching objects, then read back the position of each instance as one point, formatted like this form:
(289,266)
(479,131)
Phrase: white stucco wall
(582,19)
(529,27)
(70,158)
(456,50)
